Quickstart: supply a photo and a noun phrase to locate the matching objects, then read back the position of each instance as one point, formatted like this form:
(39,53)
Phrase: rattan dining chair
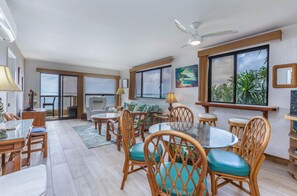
(245,166)
(179,172)
(181,114)
(133,151)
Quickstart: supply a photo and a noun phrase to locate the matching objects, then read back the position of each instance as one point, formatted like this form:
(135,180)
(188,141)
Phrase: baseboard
(277,160)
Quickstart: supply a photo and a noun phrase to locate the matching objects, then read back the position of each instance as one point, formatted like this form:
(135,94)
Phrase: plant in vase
(35,97)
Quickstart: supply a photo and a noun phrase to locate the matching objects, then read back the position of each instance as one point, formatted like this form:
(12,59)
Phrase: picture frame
(125,83)
(187,76)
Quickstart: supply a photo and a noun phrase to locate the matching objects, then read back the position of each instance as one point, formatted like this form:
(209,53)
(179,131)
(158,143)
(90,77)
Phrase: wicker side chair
(181,114)
(177,172)
(244,166)
(133,151)
(113,128)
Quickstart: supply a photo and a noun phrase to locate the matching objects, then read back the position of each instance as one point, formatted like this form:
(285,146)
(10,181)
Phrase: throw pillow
(139,108)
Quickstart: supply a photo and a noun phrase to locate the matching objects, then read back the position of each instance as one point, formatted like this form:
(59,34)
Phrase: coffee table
(103,117)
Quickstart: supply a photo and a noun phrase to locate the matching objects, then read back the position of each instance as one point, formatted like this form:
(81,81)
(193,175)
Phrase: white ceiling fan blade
(181,27)
(187,44)
(219,33)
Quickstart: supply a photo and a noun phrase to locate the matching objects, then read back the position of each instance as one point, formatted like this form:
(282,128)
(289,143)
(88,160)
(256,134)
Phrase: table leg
(3,159)
(95,121)
(17,161)
(99,126)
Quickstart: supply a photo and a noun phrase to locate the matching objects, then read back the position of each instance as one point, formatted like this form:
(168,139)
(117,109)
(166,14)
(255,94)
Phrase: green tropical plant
(251,88)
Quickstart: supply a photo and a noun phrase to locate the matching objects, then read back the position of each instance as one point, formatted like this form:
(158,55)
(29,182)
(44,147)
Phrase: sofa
(97,105)
(150,109)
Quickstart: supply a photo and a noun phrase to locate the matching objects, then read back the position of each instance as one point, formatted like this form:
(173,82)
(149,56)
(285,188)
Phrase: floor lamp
(7,83)
(120,92)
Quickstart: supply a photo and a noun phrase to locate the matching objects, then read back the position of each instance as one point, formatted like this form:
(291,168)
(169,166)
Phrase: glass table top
(207,136)
(106,115)
(17,129)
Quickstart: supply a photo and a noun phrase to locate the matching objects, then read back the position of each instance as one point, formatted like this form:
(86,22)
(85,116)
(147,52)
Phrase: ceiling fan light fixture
(195,42)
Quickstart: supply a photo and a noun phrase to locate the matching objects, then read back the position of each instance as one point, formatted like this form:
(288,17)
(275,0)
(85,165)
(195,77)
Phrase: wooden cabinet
(38,115)
(292,167)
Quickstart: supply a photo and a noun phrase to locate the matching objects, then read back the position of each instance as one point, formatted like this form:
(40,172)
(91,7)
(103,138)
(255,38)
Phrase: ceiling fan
(195,38)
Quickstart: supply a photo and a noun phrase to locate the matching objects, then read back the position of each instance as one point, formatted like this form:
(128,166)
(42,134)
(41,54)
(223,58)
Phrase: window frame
(160,82)
(235,54)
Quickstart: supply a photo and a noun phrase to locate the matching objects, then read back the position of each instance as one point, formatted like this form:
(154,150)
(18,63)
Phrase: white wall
(32,81)
(19,63)
(281,52)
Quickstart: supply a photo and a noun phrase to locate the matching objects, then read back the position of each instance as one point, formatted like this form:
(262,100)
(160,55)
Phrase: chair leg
(255,186)
(251,186)
(142,135)
(213,183)
(45,145)
(118,142)
(125,171)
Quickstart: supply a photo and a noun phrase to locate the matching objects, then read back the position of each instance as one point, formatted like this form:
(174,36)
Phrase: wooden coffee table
(98,119)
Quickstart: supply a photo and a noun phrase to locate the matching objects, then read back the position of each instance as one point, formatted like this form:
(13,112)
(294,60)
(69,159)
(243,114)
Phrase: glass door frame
(60,94)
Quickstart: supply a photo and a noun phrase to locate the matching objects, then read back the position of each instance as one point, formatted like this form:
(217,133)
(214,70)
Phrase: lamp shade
(170,98)
(7,83)
(120,91)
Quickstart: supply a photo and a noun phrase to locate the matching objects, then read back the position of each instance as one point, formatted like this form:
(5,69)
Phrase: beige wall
(281,52)
(32,79)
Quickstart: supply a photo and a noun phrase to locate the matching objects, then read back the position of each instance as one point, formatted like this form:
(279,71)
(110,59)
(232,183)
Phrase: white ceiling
(118,34)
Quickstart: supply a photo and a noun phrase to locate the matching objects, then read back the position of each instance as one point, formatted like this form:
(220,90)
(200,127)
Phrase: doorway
(58,95)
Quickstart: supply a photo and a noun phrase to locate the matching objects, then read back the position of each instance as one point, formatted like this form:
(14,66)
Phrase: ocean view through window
(154,83)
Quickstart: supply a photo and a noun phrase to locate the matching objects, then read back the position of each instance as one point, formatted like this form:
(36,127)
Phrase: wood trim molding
(73,73)
(132,85)
(277,160)
(152,64)
(275,35)
(203,79)
(263,109)
(80,96)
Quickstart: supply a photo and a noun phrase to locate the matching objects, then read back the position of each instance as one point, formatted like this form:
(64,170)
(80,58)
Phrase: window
(240,77)
(100,87)
(154,83)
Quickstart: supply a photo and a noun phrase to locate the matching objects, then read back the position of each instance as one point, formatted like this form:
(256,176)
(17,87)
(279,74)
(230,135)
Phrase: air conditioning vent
(7,24)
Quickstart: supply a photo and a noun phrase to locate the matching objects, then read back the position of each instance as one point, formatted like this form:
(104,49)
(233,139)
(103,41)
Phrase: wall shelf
(292,167)
(263,109)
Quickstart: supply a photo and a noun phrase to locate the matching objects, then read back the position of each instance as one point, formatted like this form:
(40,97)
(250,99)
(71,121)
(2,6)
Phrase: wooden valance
(153,64)
(149,65)
(74,73)
(204,54)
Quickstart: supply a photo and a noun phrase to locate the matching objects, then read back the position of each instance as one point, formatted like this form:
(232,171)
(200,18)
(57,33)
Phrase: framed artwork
(186,77)
(125,83)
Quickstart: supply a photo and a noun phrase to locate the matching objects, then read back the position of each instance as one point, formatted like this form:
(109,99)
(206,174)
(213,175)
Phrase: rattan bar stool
(237,127)
(207,118)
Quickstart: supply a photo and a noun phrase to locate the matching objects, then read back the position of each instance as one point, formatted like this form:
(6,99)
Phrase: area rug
(90,136)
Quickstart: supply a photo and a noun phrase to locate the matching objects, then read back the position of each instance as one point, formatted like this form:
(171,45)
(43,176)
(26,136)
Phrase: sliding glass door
(68,97)
(58,95)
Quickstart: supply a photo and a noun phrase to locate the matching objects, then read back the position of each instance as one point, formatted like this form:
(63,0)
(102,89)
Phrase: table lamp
(120,92)
(170,98)
(7,83)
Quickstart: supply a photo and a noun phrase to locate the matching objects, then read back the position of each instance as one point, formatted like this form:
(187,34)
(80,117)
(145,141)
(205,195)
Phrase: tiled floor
(75,170)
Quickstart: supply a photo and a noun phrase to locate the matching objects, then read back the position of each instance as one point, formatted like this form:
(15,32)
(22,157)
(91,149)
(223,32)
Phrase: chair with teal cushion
(245,166)
(172,172)
(133,151)
(136,152)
